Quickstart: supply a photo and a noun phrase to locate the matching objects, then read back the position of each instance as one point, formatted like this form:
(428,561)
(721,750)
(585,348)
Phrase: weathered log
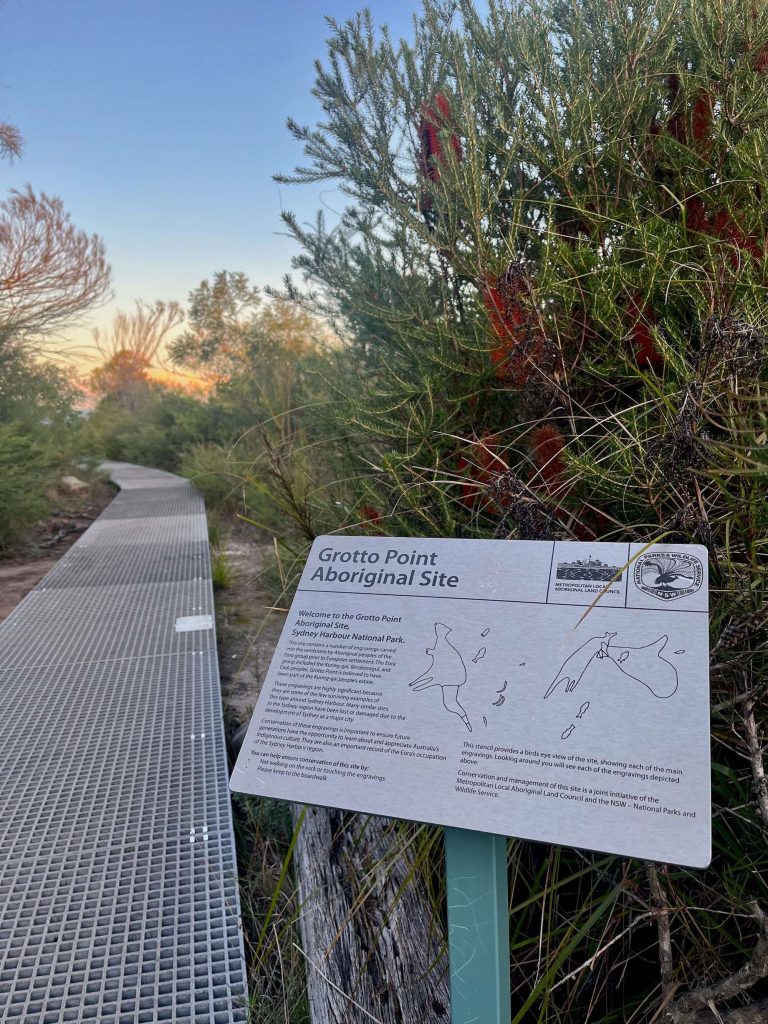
(692,1007)
(755,1013)
(373,949)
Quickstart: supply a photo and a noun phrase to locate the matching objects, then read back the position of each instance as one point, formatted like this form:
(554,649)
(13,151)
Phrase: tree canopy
(50,271)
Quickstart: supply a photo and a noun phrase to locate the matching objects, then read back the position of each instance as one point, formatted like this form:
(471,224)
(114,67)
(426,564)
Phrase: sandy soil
(47,541)
(248,629)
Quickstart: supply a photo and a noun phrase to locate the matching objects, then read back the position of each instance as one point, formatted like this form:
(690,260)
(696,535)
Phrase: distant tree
(295,330)
(141,333)
(33,392)
(11,142)
(50,271)
(221,318)
(271,380)
(256,355)
(124,379)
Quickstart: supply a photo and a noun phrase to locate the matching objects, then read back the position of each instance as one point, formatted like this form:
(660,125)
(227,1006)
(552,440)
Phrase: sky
(161,122)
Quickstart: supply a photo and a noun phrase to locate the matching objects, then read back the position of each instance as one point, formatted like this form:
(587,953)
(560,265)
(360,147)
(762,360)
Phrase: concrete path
(118,893)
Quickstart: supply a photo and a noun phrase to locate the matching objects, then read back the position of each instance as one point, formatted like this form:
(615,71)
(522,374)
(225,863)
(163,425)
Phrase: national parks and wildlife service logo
(668,576)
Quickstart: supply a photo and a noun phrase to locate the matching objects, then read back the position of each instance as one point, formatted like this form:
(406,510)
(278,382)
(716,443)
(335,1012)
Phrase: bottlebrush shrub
(370,519)
(597,268)
(479,464)
(642,317)
(547,450)
(434,125)
(511,307)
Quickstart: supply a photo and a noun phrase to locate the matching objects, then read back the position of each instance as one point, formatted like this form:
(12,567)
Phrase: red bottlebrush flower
(370,517)
(470,492)
(673,85)
(425,202)
(701,118)
(442,104)
(676,122)
(480,466)
(724,226)
(508,302)
(761,63)
(642,315)
(548,444)
(507,319)
(729,230)
(431,150)
(696,218)
(432,153)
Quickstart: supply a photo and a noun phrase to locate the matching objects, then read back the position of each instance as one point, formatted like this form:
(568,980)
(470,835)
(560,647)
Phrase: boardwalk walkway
(118,893)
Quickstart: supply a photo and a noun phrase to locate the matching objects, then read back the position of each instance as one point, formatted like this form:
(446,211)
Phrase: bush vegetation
(38,438)
(551,282)
(50,273)
(251,368)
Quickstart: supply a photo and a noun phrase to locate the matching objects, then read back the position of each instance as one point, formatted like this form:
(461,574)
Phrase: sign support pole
(478,926)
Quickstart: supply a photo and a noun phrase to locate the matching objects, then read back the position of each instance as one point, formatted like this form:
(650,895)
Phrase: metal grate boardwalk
(118,892)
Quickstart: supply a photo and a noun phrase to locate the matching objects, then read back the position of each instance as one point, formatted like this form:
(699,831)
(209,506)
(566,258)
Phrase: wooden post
(372,948)
(478,926)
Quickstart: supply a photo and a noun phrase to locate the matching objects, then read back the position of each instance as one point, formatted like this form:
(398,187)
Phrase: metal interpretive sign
(554,691)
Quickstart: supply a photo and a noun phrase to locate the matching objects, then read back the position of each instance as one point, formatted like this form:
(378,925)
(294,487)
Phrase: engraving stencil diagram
(446,670)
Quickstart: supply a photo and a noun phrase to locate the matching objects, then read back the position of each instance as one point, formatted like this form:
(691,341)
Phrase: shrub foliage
(551,279)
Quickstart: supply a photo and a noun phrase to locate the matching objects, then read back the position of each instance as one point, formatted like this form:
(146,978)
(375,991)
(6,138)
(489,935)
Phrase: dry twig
(661,913)
(756,759)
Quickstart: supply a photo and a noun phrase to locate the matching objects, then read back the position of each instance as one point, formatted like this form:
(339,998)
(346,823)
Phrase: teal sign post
(478,926)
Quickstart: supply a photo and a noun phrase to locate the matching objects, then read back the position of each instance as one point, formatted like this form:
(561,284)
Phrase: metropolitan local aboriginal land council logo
(668,576)
(588,569)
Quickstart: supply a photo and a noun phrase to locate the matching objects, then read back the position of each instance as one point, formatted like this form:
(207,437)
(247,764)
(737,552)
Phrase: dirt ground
(71,514)
(248,628)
